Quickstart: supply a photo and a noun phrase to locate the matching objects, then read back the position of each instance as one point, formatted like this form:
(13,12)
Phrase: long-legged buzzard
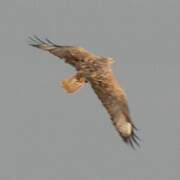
(97,71)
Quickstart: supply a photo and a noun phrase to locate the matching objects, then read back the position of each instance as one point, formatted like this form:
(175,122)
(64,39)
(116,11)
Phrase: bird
(95,70)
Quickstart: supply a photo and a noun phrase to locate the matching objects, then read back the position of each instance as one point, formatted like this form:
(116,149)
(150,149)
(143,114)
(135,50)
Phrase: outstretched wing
(71,54)
(114,100)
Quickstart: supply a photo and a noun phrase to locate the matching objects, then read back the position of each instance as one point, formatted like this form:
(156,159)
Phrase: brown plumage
(97,71)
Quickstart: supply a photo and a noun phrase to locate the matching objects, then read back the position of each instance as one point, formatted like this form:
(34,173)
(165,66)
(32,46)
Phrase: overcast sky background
(46,134)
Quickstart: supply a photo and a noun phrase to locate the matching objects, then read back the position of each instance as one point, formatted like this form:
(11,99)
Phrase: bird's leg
(73,83)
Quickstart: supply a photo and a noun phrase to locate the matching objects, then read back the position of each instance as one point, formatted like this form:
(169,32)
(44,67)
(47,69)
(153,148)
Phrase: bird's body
(97,71)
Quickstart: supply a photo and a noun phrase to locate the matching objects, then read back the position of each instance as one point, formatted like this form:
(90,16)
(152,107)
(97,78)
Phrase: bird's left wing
(114,100)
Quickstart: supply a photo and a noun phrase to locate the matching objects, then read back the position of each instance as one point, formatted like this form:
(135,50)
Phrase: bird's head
(109,60)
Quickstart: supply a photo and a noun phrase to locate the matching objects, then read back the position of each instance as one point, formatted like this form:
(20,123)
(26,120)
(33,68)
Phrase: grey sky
(46,134)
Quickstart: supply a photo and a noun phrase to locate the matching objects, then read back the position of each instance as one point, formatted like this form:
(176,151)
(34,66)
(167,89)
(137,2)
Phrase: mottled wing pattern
(115,101)
(70,53)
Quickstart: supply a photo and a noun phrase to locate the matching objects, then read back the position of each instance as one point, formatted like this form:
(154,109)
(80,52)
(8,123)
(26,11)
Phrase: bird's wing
(70,53)
(114,100)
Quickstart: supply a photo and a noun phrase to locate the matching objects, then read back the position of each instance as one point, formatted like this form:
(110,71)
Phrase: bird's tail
(73,83)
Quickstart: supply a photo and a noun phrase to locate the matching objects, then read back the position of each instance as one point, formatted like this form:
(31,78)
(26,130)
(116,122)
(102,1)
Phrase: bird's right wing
(71,54)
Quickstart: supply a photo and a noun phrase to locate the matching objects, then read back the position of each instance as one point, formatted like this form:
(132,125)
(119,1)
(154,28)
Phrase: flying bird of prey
(95,70)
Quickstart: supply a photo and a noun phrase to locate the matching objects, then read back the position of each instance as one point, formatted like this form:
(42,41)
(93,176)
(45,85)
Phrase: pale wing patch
(124,127)
(73,83)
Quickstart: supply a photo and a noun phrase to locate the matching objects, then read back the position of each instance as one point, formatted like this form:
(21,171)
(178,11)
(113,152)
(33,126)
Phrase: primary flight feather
(97,71)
